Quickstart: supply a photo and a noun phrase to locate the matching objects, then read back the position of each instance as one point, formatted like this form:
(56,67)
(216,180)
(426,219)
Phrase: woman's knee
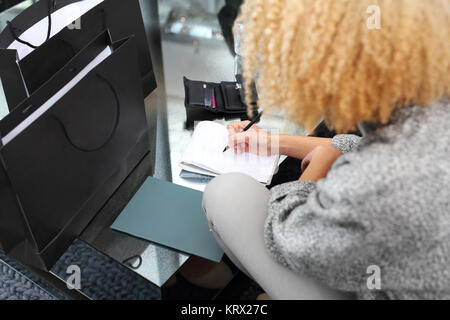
(227,197)
(230,186)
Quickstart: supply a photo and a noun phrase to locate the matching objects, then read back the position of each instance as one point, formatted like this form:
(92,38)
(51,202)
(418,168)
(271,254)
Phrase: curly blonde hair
(319,59)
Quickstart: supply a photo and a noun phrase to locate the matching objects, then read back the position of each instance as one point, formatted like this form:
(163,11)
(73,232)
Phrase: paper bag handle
(51,5)
(114,129)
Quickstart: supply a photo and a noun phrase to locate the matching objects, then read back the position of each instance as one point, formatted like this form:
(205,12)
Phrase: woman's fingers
(237,138)
(236,127)
(307,160)
(305,164)
(243,142)
(320,153)
(254,140)
(239,149)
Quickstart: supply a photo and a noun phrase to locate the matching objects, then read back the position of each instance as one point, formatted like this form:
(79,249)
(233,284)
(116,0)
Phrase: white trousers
(236,208)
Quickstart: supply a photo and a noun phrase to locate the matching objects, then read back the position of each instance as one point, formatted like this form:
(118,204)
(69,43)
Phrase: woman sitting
(369,216)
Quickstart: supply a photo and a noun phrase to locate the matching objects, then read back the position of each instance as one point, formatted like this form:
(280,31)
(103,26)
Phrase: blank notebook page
(205,151)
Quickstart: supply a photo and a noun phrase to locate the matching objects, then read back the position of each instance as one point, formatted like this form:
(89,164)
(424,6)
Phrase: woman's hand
(254,140)
(318,162)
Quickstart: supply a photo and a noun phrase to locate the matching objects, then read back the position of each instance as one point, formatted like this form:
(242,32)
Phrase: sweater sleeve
(316,229)
(345,142)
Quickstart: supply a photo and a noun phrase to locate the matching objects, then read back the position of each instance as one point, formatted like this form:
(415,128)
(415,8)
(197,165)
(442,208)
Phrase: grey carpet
(15,286)
(105,279)
(102,278)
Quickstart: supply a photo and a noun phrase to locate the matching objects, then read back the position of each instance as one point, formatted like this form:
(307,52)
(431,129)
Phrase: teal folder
(170,215)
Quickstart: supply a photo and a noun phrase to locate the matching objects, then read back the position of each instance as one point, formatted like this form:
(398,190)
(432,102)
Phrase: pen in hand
(255,120)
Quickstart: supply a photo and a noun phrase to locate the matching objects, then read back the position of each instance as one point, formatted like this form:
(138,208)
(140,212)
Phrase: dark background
(5,4)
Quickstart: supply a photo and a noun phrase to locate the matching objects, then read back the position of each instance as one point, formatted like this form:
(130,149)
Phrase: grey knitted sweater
(384,203)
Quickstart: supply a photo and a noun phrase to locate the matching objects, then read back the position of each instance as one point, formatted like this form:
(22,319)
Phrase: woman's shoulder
(407,159)
(412,126)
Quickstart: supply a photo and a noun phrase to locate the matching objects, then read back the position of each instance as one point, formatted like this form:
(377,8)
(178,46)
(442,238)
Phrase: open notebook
(204,155)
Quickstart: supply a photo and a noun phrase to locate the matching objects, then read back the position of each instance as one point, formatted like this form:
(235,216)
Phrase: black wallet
(209,100)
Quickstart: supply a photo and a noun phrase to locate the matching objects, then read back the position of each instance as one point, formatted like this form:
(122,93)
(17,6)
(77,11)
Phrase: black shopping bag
(54,75)
(59,168)
(121,18)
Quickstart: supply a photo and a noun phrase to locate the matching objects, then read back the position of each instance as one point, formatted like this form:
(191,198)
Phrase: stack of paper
(204,155)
